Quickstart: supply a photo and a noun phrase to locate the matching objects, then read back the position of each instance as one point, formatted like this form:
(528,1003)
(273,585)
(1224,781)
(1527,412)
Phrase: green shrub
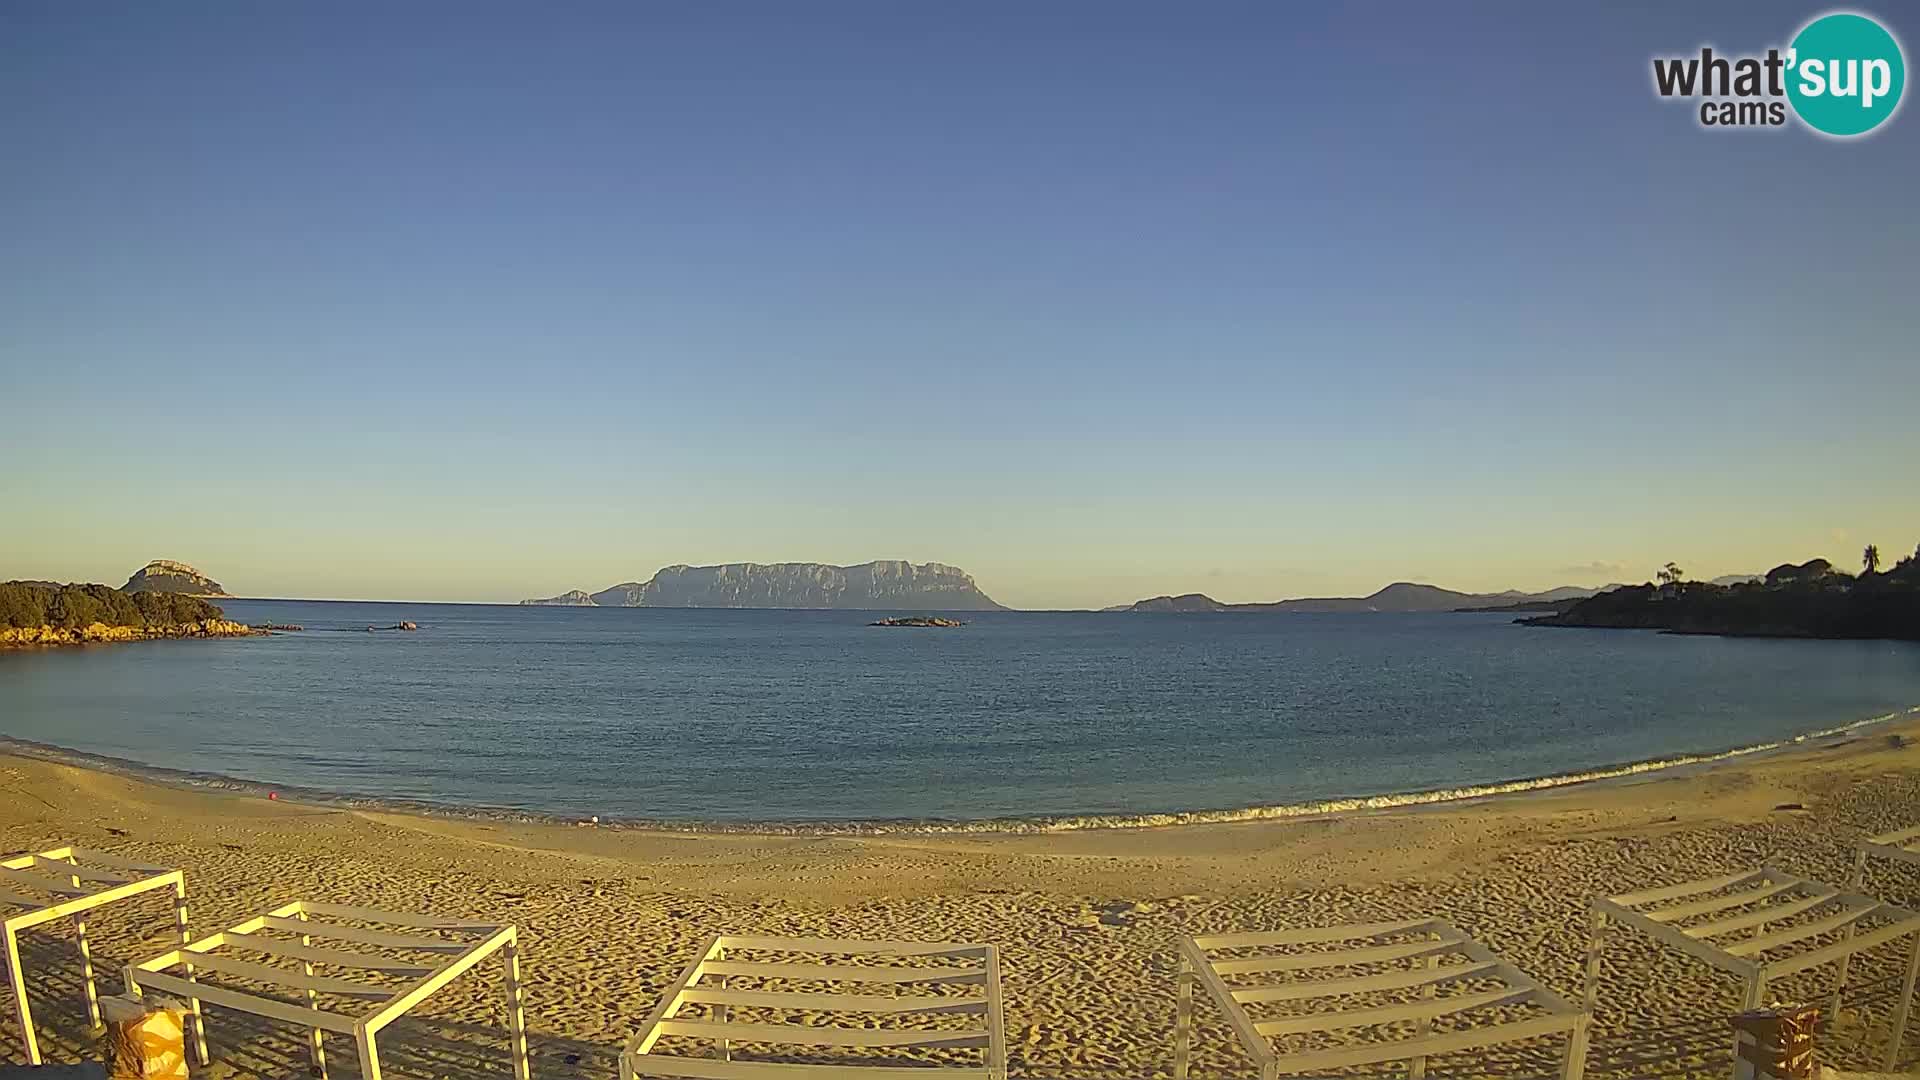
(70,607)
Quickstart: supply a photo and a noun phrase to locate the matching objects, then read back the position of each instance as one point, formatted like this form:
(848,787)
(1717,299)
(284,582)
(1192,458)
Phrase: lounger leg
(1756,993)
(21,1010)
(86,974)
(86,964)
(516,1007)
(1182,1019)
(725,1047)
(193,1004)
(1596,942)
(1575,1067)
(1846,962)
(1417,1067)
(316,1044)
(1906,1003)
(369,1053)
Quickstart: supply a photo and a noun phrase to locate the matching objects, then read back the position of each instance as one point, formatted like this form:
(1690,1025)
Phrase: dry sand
(1086,920)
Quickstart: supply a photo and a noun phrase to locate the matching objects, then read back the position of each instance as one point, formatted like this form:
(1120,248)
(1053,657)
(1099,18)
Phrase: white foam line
(1335,806)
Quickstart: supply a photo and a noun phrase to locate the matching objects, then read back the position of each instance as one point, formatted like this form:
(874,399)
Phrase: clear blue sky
(1097,300)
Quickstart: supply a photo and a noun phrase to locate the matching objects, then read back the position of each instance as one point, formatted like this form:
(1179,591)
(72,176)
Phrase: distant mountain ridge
(168,576)
(1401,596)
(882,585)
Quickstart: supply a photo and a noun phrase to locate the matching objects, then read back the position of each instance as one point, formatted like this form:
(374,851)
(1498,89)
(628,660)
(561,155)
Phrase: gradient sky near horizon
(471,301)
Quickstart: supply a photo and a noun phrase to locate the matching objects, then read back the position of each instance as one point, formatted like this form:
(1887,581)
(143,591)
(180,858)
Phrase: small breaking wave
(1394,801)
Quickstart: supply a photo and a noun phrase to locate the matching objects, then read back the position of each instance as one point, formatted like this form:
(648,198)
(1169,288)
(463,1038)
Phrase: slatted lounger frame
(1655,911)
(307,919)
(1434,939)
(78,880)
(1902,846)
(972,964)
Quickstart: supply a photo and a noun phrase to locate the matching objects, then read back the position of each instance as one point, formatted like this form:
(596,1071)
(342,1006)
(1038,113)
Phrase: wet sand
(1086,920)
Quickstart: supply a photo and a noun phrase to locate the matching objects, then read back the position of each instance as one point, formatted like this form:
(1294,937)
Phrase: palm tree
(1870,558)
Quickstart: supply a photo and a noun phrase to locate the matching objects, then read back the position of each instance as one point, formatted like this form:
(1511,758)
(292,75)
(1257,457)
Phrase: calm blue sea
(731,716)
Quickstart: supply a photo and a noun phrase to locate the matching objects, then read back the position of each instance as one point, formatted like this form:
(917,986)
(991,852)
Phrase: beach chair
(1902,846)
(396,971)
(892,980)
(67,882)
(1457,993)
(1758,926)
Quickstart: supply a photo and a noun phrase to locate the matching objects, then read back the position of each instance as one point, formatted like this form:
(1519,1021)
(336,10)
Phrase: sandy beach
(1087,920)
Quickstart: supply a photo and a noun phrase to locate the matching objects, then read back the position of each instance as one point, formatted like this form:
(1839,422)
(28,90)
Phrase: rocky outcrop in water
(166,575)
(875,586)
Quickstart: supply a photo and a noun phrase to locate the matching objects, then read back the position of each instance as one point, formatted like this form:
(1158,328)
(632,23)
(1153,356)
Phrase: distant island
(576,598)
(168,576)
(1401,597)
(1812,599)
(887,585)
(917,620)
(1525,605)
(35,613)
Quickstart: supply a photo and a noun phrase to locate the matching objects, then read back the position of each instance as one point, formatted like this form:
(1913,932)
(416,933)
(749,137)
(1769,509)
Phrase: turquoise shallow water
(741,716)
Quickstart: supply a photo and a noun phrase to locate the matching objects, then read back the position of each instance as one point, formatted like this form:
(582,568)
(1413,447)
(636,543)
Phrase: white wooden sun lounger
(1899,846)
(63,882)
(426,954)
(887,993)
(1452,974)
(1734,922)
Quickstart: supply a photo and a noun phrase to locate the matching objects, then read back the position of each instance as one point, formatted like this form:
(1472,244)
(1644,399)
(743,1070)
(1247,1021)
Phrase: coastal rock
(882,585)
(166,575)
(918,620)
(100,633)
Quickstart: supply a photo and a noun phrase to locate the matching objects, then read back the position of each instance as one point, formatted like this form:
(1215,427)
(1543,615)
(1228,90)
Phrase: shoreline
(55,637)
(1088,921)
(1043,825)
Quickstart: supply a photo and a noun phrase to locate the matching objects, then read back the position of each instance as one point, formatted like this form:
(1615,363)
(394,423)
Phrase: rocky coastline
(101,633)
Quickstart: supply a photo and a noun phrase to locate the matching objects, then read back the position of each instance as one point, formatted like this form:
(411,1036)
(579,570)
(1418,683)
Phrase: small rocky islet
(917,620)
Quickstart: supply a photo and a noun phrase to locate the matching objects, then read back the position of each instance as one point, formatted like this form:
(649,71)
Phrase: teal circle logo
(1845,74)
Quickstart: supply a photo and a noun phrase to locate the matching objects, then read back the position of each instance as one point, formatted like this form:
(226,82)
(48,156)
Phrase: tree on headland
(1812,599)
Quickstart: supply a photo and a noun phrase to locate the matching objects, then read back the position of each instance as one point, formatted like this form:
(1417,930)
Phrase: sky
(441,301)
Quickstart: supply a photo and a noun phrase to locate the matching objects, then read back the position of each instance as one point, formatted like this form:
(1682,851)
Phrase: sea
(815,720)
